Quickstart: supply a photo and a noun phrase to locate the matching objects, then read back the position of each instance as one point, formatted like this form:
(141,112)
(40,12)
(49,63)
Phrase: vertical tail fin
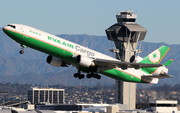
(156,56)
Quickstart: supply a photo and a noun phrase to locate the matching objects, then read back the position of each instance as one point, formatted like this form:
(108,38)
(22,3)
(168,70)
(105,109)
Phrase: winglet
(168,62)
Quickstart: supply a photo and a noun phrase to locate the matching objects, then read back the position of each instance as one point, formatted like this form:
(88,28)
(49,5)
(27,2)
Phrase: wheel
(92,75)
(95,75)
(75,75)
(79,77)
(98,77)
(82,75)
(88,76)
(21,52)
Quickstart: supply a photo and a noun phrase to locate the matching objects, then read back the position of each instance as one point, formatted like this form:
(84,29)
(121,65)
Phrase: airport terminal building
(46,95)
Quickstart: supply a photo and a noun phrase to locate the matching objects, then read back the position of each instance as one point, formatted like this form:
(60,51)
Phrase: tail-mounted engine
(85,61)
(135,59)
(55,61)
(160,71)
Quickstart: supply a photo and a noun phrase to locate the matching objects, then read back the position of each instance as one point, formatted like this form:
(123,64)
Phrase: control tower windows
(126,20)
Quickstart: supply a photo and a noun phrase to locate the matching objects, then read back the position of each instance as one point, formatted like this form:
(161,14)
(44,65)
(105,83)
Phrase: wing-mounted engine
(135,59)
(85,61)
(55,61)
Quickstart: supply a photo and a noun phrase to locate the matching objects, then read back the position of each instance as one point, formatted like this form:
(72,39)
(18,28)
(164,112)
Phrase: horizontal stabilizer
(159,76)
(168,62)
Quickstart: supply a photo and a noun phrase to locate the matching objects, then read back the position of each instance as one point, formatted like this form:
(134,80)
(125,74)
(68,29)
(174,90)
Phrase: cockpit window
(11,26)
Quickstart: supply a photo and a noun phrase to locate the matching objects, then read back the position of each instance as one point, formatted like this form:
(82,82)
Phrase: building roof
(135,27)
(36,88)
(164,102)
(14,103)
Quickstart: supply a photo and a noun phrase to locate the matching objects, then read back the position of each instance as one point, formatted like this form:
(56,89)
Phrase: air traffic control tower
(126,35)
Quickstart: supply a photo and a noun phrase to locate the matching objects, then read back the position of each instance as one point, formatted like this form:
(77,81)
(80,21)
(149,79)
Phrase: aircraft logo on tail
(155,56)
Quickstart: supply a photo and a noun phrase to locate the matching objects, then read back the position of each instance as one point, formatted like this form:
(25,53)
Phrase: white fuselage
(71,47)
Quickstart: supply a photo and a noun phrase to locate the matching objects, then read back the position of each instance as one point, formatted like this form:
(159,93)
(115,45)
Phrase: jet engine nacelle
(161,71)
(55,61)
(85,61)
(135,59)
(157,72)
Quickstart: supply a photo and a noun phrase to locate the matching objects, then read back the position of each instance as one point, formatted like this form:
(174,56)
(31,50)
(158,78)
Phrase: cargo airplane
(63,53)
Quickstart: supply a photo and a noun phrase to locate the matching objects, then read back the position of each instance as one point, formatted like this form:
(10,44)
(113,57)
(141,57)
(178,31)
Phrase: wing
(123,65)
(159,76)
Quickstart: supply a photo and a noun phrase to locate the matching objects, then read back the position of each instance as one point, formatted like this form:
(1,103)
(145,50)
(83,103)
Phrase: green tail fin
(156,56)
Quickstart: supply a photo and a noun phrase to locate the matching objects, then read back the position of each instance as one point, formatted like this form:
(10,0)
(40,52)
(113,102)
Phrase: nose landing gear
(22,51)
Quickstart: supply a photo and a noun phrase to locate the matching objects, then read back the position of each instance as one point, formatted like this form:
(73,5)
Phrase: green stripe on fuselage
(122,76)
(41,46)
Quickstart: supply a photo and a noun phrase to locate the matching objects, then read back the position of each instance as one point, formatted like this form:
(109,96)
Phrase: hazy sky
(160,17)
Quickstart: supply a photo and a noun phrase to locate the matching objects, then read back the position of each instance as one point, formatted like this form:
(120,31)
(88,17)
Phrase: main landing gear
(90,75)
(22,51)
(79,75)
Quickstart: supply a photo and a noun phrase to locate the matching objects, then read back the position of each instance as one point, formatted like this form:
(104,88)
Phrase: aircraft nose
(9,27)
(7,30)
(4,29)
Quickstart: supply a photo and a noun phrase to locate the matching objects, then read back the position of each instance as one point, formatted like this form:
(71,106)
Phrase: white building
(164,106)
(46,95)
